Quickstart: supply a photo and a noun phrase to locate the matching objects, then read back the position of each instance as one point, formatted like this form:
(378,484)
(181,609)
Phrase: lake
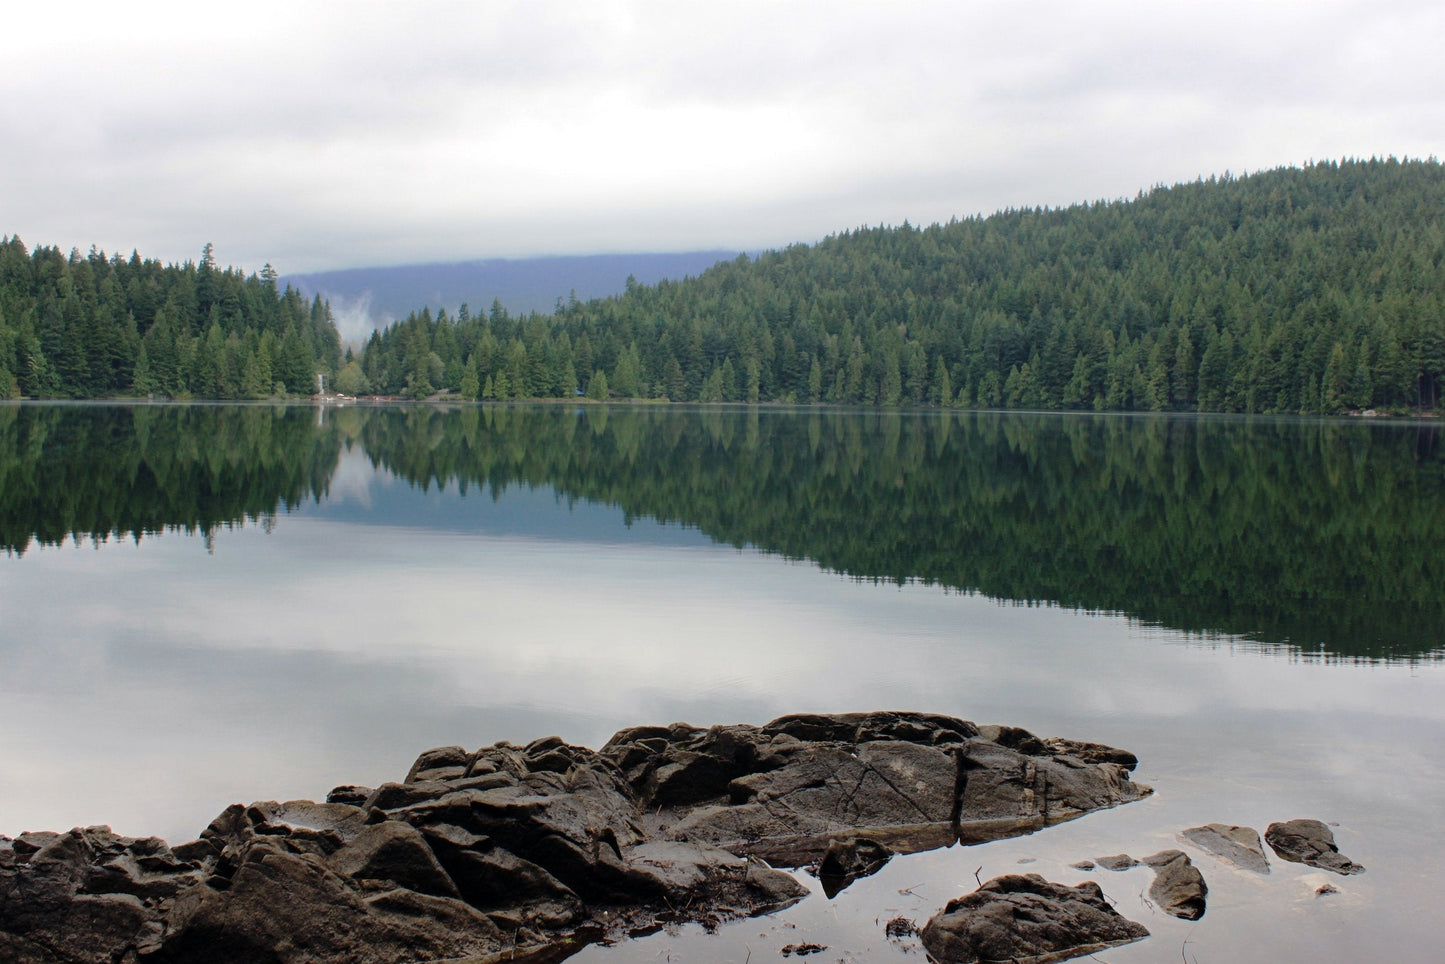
(202,605)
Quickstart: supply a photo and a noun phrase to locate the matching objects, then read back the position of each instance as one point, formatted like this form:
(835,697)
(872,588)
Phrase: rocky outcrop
(1237,846)
(512,849)
(1025,918)
(910,781)
(1309,842)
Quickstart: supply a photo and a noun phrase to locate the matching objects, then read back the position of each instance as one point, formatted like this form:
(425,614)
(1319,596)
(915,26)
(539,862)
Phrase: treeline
(74,326)
(1314,289)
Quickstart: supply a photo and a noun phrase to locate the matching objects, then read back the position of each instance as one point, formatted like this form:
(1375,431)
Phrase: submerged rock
(1309,842)
(1238,846)
(511,848)
(1023,917)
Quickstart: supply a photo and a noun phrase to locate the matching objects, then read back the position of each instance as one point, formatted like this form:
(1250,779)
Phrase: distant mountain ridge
(376,296)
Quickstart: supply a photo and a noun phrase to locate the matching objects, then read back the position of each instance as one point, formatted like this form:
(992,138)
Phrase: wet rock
(1082,865)
(88,895)
(539,848)
(1023,917)
(349,793)
(1178,886)
(1116,862)
(847,860)
(910,781)
(1237,846)
(282,906)
(1309,842)
(397,852)
(439,763)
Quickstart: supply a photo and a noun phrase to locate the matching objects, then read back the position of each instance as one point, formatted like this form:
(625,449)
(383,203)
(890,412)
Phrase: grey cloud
(326,137)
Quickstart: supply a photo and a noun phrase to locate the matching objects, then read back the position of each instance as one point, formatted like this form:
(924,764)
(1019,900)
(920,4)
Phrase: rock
(451,760)
(1178,887)
(397,852)
(1324,890)
(1082,865)
(538,849)
(287,907)
(846,860)
(909,781)
(1238,846)
(1309,842)
(1116,862)
(349,793)
(1023,917)
(86,896)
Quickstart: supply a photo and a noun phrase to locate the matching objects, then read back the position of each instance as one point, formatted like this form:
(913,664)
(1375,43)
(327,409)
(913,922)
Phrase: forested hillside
(90,326)
(1314,289)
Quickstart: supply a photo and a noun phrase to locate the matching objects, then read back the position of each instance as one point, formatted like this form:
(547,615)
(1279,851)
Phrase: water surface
(203,604)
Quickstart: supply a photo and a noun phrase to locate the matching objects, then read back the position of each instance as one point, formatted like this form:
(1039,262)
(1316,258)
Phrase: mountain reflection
(1318,536)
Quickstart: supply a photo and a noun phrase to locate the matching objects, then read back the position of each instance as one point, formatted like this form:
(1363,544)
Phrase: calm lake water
(202,605)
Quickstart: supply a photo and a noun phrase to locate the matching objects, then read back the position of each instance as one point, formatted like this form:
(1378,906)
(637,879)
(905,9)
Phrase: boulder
(1025,918)
(1178,886)
(1116,862)
(1237,846)
(847,860)
(1309,842)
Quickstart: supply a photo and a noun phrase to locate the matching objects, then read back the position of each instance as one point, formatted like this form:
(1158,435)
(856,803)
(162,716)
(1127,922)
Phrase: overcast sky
(319,135)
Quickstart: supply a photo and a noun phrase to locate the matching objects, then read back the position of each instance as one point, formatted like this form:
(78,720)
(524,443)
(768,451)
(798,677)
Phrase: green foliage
(1228,294)
(92,326)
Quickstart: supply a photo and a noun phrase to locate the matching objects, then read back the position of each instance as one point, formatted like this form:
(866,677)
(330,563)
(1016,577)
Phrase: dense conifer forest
(92,327)
(1314,289)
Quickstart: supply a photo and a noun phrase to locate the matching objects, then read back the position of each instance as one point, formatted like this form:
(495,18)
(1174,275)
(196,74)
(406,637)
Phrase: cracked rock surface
(510,850)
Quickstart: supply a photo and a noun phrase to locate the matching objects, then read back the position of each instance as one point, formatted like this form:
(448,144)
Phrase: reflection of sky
(149,686)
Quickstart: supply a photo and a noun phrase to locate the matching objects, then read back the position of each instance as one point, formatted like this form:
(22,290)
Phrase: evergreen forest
(1303,289)
(1312,289)
(95,327)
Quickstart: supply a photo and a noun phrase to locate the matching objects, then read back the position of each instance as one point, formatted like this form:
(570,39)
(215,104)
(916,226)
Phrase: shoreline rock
(1309,842)
(1025,918)
(1237,846)
(516,849)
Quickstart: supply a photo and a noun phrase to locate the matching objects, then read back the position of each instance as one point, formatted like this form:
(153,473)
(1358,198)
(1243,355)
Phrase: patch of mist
(355,317)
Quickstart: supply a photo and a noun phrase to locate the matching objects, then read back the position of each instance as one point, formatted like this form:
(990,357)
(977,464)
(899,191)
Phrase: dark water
(202,605)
